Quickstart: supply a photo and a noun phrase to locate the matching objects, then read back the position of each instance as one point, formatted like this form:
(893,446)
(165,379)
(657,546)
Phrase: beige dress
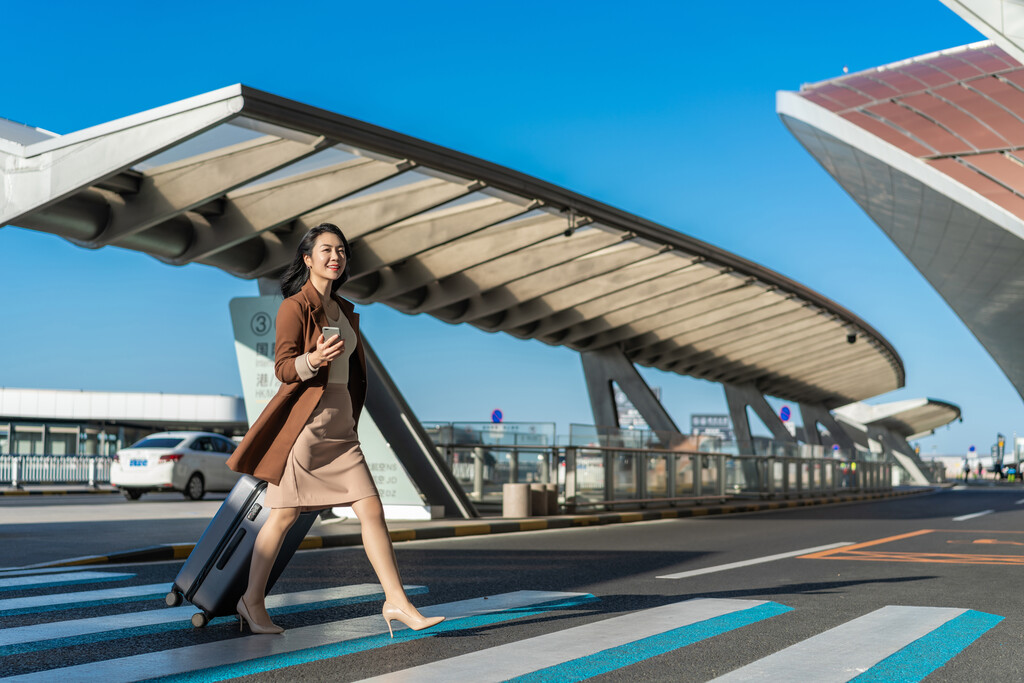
(325,466)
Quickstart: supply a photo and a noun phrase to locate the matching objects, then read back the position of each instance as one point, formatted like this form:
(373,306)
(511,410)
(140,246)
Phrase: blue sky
(663,109)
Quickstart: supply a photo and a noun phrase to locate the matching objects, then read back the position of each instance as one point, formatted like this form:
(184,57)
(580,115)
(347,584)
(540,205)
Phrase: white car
(190,462)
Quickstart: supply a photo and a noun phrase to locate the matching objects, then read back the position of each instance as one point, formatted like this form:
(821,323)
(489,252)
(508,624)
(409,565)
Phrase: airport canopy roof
(913,418)
(235,177)
(931,149)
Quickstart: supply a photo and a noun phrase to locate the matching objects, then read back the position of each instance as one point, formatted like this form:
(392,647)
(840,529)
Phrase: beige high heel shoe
(391,612)
(245,618)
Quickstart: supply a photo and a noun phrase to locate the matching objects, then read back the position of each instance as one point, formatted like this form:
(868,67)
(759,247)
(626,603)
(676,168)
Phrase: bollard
(15,461)
(515,500)
(538,500)
(478,473)
(92,472)
(552,491)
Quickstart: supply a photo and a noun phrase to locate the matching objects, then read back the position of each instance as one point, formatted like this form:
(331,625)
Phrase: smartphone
(331,332)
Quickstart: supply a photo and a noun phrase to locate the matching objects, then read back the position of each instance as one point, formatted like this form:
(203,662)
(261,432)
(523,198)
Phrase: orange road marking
(826,553)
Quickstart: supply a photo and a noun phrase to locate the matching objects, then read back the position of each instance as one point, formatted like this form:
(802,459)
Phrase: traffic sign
(785,414)
(496,416)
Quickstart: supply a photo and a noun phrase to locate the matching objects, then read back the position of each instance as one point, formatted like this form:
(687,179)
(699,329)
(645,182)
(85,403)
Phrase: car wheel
(195,489)
(132,494)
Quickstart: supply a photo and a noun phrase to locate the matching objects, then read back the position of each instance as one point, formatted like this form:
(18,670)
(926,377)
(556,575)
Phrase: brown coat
(300,319)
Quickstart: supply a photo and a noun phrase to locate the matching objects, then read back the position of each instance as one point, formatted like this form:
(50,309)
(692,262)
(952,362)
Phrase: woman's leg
(264,554)
(381,553)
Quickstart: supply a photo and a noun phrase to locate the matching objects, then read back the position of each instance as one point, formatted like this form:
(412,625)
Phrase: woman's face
(327,259)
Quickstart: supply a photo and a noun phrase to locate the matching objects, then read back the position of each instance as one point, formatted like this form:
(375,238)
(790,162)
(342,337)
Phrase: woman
(304,443)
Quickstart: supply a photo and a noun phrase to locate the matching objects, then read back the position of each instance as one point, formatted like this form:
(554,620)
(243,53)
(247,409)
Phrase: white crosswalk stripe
(296,640)
(134,620)
(43,602)
(534,654)
(36,581)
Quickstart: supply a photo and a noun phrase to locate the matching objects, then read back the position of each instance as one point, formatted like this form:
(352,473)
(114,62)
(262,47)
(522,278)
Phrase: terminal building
(931,149)
(234,178)
(59,422)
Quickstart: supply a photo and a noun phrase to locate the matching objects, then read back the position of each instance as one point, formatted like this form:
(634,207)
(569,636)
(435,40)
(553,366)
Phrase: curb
(181,551)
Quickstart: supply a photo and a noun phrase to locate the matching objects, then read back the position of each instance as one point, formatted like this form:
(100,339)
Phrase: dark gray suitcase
(216,572)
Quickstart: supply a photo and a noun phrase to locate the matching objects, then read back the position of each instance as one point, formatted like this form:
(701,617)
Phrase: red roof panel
(927,73)
(921,128)
(992,191)
(955,66)
(961,124)
(888,133)
(899,80)
(820,100)
(1010,97)
(999,167)
(989,59)
(871,87)
(1008,126)
(848,98)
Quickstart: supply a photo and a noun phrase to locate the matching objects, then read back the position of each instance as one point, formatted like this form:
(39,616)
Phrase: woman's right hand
(326,350)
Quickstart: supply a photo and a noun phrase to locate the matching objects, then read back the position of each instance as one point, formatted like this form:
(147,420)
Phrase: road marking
(62,579)
(894,636)
(95,629)
(1019,501)
(238,657)
(756,560)
(866,544)
(49,603)
(597,648)
(964,518)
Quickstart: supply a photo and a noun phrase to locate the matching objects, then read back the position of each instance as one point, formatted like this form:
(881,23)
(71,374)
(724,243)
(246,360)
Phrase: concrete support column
(812,414)
(601,368)
(739,396)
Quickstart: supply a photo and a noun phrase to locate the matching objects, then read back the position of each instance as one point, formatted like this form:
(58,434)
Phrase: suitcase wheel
(199,619)
(173,599)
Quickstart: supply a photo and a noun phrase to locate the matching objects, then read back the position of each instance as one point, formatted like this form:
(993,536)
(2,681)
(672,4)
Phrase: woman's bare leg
(380,552)
(264,554)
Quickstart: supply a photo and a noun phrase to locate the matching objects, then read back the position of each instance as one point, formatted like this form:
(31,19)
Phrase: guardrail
(616,477)
(612,477)
(17,470)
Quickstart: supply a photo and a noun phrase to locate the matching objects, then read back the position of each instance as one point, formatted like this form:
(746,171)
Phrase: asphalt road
(920,551)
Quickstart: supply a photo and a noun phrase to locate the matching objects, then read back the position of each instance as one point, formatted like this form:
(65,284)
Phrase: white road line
(121,622)
(48,570)
(24,582)
(41,602)
(756,560)
(1019,502)
(226,652)
(963,518)
(847,651)
(523,657)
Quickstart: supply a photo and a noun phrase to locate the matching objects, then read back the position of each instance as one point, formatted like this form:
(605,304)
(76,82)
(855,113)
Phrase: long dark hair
(297,273)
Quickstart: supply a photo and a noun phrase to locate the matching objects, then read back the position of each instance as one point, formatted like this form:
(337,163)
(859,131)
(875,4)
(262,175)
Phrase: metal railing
(18,470)
(482,469)
(612,477)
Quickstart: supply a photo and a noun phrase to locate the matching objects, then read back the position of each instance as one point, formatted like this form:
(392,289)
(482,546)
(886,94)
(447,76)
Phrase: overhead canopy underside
(234,178)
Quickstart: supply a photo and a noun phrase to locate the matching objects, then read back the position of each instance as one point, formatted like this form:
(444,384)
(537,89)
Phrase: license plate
(138,462)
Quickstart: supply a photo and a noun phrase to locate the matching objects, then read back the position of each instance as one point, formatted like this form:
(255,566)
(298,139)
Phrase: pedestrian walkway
(900,642)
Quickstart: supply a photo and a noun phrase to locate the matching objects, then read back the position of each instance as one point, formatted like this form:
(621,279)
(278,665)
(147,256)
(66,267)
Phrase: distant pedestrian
(304,443)
(966,470)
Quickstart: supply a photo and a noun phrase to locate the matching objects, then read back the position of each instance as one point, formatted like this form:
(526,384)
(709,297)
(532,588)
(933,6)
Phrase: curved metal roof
(913,418)
(235,177)
(932,148)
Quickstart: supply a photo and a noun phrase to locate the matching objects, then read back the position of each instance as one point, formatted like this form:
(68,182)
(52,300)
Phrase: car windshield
(158,442)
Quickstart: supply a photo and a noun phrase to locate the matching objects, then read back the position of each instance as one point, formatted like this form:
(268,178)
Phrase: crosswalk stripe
(225,659)
(62,579)
(49,603)
(583,652)
(851,649)
(45,570)
(23,639)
